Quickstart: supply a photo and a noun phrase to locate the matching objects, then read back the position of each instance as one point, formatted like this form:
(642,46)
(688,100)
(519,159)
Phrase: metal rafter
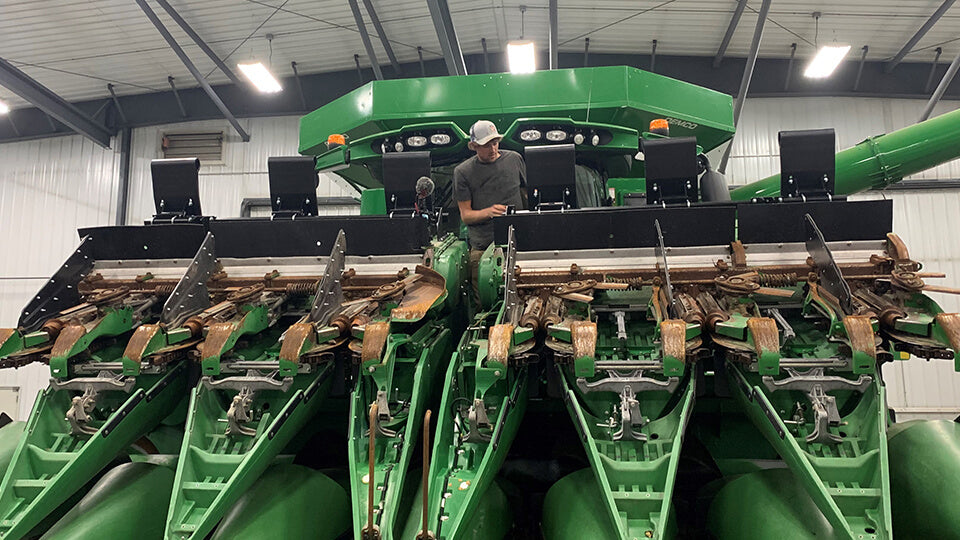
(911,43)
(447,34)
(933,69)
(731,28)
(375,20)
(863,60)
(296,77)
(365,38)
(53,105)
(747,76)
(176,94)
(193,69)
(199,41)
(941,88)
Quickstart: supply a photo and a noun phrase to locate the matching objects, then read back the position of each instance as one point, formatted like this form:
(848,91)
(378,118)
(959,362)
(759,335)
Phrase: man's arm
(472,217)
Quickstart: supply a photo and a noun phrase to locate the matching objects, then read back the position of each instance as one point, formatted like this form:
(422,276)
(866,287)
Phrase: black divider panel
(619,228)
(137,242)
(783,222)
(366,235)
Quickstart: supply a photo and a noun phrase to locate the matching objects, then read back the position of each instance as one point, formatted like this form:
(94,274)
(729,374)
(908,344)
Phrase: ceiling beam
(53,105)
(375,21)
(447,34)
(941,88)
(554,36)
(731,28)
(747,77)
(365,38)
(199,41)
(192,68)
(912,42)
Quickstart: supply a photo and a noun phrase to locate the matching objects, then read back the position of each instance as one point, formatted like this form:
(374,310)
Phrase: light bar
(826,60)
(521,56)
(4,108)
(261,78)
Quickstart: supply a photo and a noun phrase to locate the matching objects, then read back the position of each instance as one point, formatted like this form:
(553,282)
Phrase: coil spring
(634,283)
(777,280)
(301,288)
(164,290)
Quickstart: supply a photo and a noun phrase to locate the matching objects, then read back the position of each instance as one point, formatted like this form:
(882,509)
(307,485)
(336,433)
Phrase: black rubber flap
(783,222)
(293,185)
(139,242)
(366,235)
(624,227)
(176,186)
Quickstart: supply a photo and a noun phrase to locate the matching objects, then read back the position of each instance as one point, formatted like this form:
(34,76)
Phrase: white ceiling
(75,47)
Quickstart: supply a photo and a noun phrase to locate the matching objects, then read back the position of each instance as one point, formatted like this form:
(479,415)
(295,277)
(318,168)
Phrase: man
(485,185)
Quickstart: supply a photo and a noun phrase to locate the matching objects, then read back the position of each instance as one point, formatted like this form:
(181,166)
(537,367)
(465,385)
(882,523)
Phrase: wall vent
(208,146)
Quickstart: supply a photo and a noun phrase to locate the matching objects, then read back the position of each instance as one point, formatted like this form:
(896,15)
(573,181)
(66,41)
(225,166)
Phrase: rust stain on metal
(673,335)
(551,312)
(532,312)
(139,341)
(217,337)
(860,333)
(896,248)
(5,334)
(293,341)
(498,343)
(67,339)
(374,339)
(950,322)
(583,334)
(766,337)
(738,254)
(420,295)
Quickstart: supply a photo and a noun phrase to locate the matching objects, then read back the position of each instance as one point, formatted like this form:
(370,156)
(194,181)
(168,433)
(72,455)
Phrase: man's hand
(495,211)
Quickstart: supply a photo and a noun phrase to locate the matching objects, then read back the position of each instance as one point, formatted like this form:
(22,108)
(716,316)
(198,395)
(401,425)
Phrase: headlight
(416,141)
(530,135)
(398,146)
(556,135)
(578,138)
(438,139)
(595,140)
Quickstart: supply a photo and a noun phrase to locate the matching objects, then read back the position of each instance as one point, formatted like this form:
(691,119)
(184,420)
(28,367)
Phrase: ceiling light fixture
(261,77)
(4,108)
(521,54)
(826,61)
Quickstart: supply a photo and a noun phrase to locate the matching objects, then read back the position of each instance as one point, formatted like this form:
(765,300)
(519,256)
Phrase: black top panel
(619,228)
(137,242)
(400,175)
(293,185)
(366,235)
(176,186)
(783,222)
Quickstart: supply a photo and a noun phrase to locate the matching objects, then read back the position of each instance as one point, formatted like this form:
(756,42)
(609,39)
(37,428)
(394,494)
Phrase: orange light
(659,123)
(336,139)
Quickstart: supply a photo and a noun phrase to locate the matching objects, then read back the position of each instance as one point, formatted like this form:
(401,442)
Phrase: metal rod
(731,28)
(50,103)
(941,88)
(920,33)
(126,138)
(365,38)
(176,95)
(53,126)
(375,21)
(356,60)
(296,77)
(447,34)
(653,57)
(425,533)
(863,60)
(586,52)
(116,103)
(486,57)
(554,35)
(193,69)
(423,69)
(103,106)
(199,41)
(793,53)
(371,476)
(747,76)
(933,69)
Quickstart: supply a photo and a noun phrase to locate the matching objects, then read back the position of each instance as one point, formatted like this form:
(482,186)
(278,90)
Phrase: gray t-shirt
(486,184)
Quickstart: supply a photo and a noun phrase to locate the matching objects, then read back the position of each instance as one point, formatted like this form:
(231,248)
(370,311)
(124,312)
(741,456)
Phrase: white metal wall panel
(48,188)
(243,173)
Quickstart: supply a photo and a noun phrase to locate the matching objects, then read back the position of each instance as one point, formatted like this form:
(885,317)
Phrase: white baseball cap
(482,132)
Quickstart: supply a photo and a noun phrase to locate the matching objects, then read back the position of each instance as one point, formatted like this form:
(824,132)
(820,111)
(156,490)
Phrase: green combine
(649,353)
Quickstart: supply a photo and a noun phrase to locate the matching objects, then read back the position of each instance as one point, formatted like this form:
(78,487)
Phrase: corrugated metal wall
(243,173)
(49,188)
